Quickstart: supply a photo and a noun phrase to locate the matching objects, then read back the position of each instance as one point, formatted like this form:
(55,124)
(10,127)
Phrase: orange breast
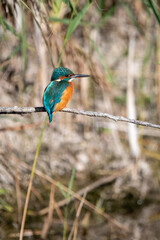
(66,96)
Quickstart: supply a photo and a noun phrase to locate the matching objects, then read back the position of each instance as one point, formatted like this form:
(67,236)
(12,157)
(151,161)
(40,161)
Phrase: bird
(59,91)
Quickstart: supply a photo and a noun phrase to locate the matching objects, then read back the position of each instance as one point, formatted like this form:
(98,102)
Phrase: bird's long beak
(79,76)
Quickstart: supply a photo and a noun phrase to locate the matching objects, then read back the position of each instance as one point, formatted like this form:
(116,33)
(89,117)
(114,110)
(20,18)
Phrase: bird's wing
(52,96)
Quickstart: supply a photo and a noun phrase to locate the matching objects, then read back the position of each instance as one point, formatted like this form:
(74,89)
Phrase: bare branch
(20,110)
(25,110)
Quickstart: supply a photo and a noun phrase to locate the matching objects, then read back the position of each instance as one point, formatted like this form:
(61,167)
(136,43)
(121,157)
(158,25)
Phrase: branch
(25,110)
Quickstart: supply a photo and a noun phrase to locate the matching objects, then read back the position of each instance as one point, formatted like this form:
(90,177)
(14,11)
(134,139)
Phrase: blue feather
(61,71)
(52,96)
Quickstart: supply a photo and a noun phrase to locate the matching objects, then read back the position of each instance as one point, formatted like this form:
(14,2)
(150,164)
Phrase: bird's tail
(51,115)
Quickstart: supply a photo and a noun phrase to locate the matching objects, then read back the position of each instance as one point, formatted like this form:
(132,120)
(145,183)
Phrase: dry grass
(104,199)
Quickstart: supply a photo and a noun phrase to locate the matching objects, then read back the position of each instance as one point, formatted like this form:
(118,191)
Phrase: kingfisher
(59,91)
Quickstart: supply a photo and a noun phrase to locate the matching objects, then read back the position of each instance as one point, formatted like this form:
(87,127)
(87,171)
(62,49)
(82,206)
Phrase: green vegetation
(40,163)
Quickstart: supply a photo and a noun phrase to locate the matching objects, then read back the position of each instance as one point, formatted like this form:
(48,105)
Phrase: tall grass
(74,22)
(70,22)
(155,10)
(67,197)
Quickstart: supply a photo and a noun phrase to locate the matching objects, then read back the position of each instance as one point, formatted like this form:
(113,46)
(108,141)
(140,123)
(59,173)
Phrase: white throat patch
(58,80)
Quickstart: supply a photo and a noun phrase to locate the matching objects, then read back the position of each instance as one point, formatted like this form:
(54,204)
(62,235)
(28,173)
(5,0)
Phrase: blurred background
(113,166)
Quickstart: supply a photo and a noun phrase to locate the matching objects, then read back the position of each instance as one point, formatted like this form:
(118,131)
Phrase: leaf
(14,51)
(71,182)
(62,191)
(155,11)
(74,22)
(5,206)
(56,6)
(66,195)
(67,21)
(61,20)
(9,28)
(69,4)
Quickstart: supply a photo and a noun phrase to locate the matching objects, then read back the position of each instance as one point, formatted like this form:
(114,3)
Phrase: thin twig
(78,197)
(25,110)
(48,220)
(74,229)
(100,182)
